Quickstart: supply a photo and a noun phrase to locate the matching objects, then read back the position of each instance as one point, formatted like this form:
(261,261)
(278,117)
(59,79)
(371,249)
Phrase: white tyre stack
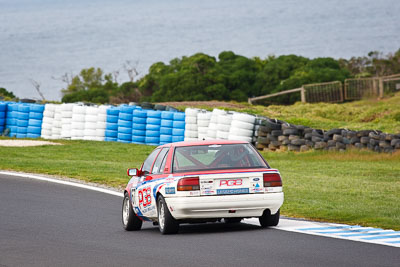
(203,120)
(213,126)
(101,123)
(66,120)
(78,122)
(242,127)
(224,125)
(56,126)
(191,133)
(90,132)
(47,123)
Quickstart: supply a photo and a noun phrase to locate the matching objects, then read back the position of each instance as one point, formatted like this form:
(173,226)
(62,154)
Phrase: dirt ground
(203,103)
(21,143)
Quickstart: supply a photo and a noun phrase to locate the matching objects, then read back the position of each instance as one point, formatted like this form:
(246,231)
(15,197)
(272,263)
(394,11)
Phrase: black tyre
(272,124)
(334,131)
(168,108)
(263,140)
(130,221)
(166,223)
(147,105)
(267,219)
(159,107)
(290,131)
(276,132)
(232,220)
(298,142)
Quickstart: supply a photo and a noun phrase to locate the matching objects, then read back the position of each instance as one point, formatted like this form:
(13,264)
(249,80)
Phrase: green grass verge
(98,162)
(355,187)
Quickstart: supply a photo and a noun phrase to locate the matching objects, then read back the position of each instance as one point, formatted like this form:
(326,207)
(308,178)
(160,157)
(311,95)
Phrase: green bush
(201,77)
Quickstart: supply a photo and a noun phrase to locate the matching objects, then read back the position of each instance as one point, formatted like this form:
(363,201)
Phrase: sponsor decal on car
(146,210)
(169,180)
(231,182)
(232,191)
(272,189)
(144,196)
(208,192)
(257,188)
(170,190)
(206,186)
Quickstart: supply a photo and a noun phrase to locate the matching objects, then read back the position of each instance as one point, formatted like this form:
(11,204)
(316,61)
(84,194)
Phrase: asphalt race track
(47,224)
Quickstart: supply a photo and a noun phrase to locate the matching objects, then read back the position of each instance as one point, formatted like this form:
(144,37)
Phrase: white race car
(202,181)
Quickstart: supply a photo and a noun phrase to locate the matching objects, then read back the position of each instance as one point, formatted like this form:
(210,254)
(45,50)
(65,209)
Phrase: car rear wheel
(166,223)
(267,219)
(130,221)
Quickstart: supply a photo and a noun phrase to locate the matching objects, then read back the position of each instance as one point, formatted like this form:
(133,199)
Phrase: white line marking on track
(57,181)
(339,231)
(333,230)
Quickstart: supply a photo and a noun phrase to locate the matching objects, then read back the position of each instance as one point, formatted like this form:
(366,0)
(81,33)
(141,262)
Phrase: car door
(151,182)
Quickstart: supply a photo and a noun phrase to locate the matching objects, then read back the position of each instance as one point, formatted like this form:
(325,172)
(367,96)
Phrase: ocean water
(41,40)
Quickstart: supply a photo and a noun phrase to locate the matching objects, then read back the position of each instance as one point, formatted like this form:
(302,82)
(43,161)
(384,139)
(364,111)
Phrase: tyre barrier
(11,117)
(101,123)
(90,125)
(78,122)
(57,123)
(139,117)
(47,121)
(35,121)
(224,125)
(178,127)
(213,125)
(125,123)
(3,110)
(242,127)
(191,127)
(153,124)
(22,120)
(66,120)
(111,130)
(130,124)
(203,121)
(277,135)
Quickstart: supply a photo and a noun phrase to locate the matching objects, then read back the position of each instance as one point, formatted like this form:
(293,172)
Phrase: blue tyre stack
(3,109)
(35,121)
(11,119)
(111,132)
(125,124)
(139,126)
(153,123)
(23,120)
(167,119)
(178,129)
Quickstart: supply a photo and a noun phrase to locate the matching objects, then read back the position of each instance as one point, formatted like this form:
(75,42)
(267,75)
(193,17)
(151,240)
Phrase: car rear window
(216,157)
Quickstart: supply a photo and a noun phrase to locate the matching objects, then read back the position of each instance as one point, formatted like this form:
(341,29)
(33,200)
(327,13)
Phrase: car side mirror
(133,172)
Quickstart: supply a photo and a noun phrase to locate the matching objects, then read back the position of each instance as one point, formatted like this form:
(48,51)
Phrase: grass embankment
(371,114)
(354,187)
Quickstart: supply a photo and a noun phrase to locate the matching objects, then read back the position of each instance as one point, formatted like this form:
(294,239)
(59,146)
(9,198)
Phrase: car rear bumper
(226,206)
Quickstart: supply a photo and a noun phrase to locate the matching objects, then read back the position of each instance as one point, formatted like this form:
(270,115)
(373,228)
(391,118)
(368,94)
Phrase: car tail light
(188,184)
(272,179)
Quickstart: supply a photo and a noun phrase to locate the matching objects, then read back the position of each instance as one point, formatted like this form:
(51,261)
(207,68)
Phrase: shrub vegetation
(201,77)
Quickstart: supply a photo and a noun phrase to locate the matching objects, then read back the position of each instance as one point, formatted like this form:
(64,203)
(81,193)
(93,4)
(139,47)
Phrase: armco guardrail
(133,124)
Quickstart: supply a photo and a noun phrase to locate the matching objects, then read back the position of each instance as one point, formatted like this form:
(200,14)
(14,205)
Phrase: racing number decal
(145,197)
